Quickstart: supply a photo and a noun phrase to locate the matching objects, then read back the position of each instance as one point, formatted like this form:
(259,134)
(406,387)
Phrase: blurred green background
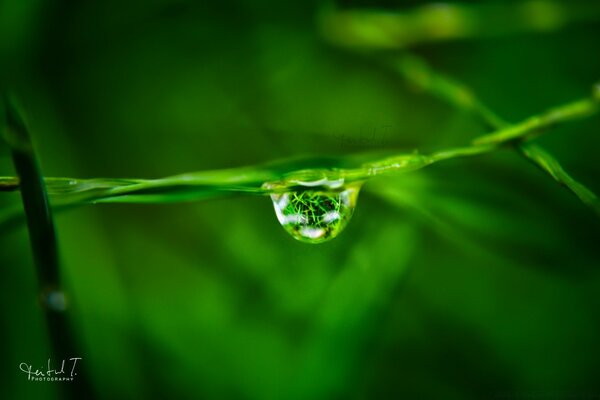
(474,278)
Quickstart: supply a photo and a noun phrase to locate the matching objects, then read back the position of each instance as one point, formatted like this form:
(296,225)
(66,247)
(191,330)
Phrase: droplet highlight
(314,212)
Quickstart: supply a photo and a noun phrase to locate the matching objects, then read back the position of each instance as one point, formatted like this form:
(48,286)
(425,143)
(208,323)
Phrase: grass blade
(549,164)
(43,242)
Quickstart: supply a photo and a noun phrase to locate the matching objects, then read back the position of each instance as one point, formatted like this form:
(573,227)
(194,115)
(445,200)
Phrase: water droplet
(54,300)
(314,211)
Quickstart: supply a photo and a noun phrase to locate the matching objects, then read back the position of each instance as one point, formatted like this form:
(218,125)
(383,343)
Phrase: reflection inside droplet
(314,213)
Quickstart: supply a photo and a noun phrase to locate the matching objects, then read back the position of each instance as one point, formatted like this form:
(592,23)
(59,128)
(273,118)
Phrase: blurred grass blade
(34,196)
(549,164)
(43,242)
(379,29)
(416,71)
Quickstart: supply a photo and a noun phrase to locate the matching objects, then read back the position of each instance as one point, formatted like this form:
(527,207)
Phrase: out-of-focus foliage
(472,278)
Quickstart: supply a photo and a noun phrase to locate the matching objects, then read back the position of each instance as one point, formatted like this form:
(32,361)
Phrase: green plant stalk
(533,126)
(420,74)
(365,31)
(67,192)
(43,242)
(548,164)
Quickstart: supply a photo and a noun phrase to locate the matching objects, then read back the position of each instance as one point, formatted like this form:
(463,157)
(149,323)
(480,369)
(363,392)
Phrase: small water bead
(54,300)
(315,212)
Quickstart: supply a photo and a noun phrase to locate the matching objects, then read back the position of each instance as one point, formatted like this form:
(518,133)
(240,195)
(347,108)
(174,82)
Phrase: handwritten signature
(50,373)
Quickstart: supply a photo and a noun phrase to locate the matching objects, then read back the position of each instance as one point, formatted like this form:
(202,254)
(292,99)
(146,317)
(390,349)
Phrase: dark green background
(474,278)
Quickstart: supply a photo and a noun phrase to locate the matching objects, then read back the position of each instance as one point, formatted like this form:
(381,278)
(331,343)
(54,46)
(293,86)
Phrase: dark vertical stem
(44,248)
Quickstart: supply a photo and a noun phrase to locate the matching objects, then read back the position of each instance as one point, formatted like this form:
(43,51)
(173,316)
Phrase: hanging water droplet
(314,212)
